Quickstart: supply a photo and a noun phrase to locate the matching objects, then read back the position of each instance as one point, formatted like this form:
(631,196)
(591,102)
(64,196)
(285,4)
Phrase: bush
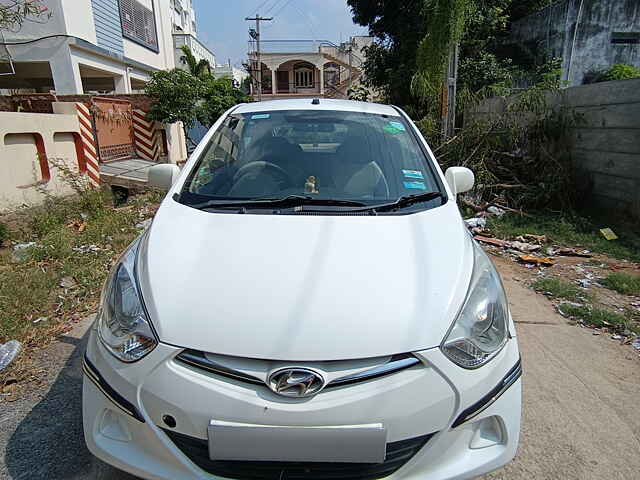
(619,71)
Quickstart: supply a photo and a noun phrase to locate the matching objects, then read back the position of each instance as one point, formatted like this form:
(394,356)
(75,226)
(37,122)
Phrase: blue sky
(221,24)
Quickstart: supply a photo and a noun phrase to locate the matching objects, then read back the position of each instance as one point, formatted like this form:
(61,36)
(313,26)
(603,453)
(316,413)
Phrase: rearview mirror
(460,179)
(163,176)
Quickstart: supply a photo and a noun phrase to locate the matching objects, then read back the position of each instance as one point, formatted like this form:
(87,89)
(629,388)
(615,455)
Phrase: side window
(222,150)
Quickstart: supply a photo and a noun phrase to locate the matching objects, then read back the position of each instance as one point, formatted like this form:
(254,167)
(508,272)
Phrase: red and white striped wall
(89,144)
(146,137)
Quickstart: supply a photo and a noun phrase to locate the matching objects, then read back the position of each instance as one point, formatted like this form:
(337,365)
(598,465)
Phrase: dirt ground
(580,409)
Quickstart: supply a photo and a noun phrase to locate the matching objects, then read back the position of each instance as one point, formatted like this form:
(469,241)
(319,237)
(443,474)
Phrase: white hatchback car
(307,304)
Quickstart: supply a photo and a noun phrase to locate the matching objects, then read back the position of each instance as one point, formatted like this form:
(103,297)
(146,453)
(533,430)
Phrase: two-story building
(100,46)
(306,68)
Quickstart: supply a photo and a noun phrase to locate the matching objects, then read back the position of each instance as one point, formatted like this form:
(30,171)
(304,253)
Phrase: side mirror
(460,179)
(163,176)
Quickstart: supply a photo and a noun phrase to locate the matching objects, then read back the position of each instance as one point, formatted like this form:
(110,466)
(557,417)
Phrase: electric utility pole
(255,34)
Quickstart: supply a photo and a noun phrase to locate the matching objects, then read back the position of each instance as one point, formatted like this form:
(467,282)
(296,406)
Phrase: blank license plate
(347,443)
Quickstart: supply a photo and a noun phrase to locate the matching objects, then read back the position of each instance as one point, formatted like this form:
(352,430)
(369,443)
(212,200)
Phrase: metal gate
(113,120)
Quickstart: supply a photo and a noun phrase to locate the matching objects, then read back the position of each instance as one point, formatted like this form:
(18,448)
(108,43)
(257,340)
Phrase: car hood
(304,287)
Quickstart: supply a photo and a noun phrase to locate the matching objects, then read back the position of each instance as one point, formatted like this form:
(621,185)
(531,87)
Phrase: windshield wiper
(282,202)
(405,201)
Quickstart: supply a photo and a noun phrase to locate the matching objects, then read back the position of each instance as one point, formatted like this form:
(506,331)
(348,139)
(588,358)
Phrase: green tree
(14,13)
(200,68)
(218,95)
(397,28)
(177,93)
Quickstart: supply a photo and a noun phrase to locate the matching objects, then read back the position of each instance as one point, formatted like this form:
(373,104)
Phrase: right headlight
(482,326)
(123,325)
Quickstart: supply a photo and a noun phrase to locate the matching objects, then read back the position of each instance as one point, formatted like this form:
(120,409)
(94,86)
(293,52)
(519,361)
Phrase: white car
(307,304)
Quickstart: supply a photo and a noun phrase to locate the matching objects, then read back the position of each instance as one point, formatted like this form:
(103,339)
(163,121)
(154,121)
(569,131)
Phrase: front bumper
(417,407)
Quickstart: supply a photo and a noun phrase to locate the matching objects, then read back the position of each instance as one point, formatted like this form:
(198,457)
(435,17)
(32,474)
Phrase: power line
(282,8)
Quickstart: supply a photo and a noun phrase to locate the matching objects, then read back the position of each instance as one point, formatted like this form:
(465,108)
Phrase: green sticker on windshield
(260,116)
(394,128)
(414,185)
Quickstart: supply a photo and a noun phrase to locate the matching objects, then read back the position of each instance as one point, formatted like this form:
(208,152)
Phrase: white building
(235,74)
(185,33)
(97,45)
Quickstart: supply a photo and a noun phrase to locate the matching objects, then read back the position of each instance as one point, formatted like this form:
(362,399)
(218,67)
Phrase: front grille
(398,453)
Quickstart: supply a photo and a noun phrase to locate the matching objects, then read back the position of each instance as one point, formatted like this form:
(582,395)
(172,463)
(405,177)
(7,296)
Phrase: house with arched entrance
(305,68)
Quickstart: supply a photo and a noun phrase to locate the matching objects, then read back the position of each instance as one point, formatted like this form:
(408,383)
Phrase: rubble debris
(68,282)
(529,237)
(476,222)
(21,251)
(531,259)
(78,225)
(8,352)
(497,211)
(86,248)
(608,234)
(143,225)
(492,241)
(525,247)
(616,337)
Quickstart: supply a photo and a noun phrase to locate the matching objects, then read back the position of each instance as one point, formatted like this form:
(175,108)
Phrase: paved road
(580,421)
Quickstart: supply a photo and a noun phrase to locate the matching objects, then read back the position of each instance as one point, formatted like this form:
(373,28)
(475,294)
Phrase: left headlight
(482,326)
(123,325)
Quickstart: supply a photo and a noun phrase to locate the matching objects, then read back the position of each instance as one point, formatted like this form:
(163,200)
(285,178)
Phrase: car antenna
(315,101)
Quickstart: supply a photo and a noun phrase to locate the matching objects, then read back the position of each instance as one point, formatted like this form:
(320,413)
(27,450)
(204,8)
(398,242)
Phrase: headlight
(123,325)
(481,328)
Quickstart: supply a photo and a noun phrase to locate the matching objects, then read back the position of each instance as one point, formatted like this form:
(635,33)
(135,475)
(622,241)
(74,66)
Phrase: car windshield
(321,155)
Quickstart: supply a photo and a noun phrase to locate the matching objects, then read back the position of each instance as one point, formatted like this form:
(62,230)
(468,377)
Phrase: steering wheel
(278,173)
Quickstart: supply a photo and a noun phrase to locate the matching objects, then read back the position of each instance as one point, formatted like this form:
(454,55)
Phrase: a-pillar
(274,83)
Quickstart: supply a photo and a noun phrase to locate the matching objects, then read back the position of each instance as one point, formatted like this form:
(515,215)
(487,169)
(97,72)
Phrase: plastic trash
(8,352)
(495,211)
(476,222)
(21,251)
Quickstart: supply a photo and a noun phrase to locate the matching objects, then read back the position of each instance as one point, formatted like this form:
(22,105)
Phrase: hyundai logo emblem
(296,382)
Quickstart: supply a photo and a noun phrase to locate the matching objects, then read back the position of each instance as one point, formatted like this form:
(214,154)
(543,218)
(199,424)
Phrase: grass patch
(594,316)
(623,283)
(30,287)
(559,288)
(570,230)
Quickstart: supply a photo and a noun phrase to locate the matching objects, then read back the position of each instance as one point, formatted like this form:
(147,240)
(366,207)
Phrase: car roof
(325,104)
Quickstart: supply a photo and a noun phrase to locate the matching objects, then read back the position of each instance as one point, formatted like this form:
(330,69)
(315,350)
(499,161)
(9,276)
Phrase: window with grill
(304,77)
(138,24)
(625,38)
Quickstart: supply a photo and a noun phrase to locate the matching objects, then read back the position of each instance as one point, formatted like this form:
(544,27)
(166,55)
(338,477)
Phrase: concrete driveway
(581,409)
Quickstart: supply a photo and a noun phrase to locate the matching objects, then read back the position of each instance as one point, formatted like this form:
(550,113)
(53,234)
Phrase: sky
(222,28)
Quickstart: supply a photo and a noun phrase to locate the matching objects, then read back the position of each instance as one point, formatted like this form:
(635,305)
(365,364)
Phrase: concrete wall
(605,145)
(592,22)
(21,172)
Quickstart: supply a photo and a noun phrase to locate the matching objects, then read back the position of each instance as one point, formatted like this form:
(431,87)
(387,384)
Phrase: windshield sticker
(390,128)
(413,174)
(260,116)
(414,185)
(398,126)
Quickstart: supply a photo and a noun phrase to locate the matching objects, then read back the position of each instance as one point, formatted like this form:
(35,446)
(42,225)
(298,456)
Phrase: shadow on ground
(49,442)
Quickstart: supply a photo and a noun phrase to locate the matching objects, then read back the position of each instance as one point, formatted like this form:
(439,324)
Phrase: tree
(197,68)
(218,95)
(177,93)
(397,28)
(14,13)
